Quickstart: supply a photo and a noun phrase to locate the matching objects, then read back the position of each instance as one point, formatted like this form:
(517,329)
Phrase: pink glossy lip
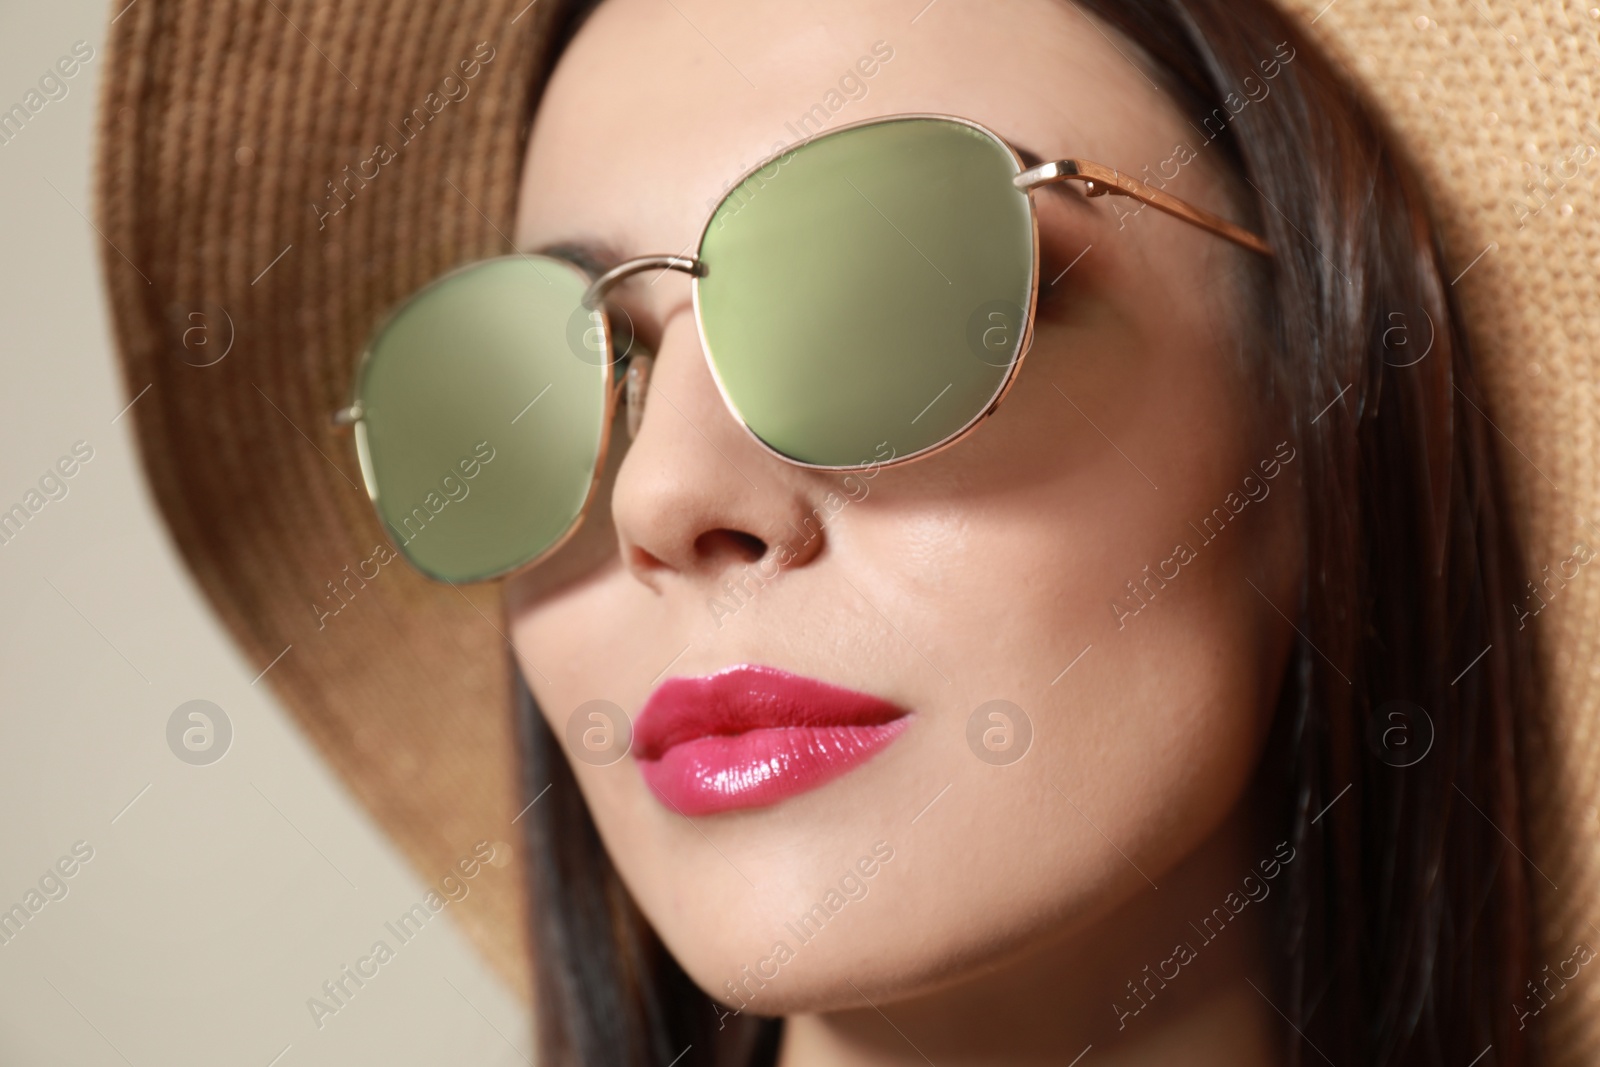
(747,737)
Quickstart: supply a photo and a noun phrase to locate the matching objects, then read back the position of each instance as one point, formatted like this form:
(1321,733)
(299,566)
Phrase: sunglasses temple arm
(1099,180)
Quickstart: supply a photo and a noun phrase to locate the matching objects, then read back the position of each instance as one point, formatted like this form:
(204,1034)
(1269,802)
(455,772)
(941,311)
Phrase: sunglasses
(864,299)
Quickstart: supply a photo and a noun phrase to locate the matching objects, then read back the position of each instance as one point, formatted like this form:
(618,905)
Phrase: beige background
(225,895)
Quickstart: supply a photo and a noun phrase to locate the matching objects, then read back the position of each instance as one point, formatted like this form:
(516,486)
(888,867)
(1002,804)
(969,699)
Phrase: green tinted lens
(483,407)
(867,292)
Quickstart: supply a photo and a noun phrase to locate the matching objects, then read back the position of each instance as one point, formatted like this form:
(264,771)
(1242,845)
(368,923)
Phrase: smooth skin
(1021,900)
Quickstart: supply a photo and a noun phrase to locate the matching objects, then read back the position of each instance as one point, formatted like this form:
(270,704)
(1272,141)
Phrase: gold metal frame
(1096,179)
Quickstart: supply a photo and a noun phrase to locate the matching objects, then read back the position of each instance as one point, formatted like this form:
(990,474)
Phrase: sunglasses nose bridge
(607,281)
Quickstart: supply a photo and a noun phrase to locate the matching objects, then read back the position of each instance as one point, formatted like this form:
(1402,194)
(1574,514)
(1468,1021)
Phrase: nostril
(729,545)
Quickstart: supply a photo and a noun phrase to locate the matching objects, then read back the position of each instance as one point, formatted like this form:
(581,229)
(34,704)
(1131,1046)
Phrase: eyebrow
(596,257)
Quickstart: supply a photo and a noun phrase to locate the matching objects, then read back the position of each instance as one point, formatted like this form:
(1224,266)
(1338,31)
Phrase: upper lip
(738,699)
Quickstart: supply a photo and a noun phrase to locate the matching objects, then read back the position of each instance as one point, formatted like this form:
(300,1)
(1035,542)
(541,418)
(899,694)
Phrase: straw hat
(245,203)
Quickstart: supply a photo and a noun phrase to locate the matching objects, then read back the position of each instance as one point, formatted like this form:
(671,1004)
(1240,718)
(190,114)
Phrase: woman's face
(1113,553)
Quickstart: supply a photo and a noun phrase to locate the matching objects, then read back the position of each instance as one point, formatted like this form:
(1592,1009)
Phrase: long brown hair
(1406,929)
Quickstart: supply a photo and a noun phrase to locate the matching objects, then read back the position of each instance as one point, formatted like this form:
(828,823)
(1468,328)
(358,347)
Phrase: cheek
(568,646)
(1148,722)
(1154,705)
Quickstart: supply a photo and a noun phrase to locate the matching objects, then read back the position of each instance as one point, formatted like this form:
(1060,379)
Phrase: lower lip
(760,767)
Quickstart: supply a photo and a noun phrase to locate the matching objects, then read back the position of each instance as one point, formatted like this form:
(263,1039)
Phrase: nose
(696,495)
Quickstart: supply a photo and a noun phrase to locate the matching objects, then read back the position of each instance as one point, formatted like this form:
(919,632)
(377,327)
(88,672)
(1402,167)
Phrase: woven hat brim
(243,183)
